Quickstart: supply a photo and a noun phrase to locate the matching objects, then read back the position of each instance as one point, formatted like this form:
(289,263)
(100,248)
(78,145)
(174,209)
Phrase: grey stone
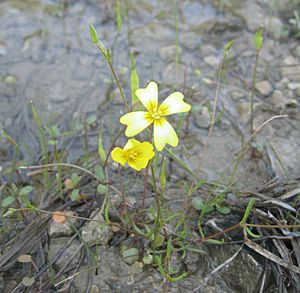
(280,101)
(291,72)
(190,40)
(290,60)
(204,121)
(168,53)
(56,244)
(211,61)
(243,109)
(271,24)
(264,87)
(293,85)
(96,232)
(62,229)
(282,84)
(237,95)
(173,75)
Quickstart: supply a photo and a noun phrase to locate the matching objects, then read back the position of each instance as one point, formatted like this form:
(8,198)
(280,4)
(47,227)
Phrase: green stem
(177,34)
(119,86)
(252,91)
(43,143)
(158,203)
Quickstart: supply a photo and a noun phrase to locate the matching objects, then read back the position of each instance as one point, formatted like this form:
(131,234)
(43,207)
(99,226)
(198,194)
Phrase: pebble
(237,95)
(290,60)
(293,85)
(211,61)
(168,53)
(243,109)
(291,72)
(56,244)
(95,233)
(62,229)
(204,121)
(264,87)
(190,40)
(279,101)
(282,84)
(172,76)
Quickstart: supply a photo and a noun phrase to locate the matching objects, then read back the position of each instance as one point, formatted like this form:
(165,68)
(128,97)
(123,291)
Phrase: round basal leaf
(148,259)
(24,258)
(99,172)
(130,255)
(101,188)
(28,281)
(26,189)
(7,201)
(223,210)
(91,119)
(75,194)
(52,142)
(197,203)
(159,240)
(75,178)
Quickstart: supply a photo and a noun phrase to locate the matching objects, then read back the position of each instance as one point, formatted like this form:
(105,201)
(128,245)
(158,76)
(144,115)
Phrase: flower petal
(138,163)
(148,96)
(174,104)
(145,150)
(163,134)
(130,144)
(136,122)
(118,156)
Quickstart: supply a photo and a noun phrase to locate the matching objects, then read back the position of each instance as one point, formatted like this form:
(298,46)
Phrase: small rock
(272,24)
(10,80)
(62,229)
(173,75)
(282,84)
(190,41)
(293,85)
(168,53)
(264,87)
(292,72)
(279,101)
(204,120)
(96,233)
(208,50)
(3,49)
(211,61)
(243,109)
(297,51)
(290,60)
(56,244)
(237,95)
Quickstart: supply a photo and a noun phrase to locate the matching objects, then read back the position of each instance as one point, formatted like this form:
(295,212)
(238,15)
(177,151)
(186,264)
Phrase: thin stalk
(59,173)
(146,175)
(119,86)
(43,143)
(145,187)
(176,33)
(57,158)
(158,204)
(252,91)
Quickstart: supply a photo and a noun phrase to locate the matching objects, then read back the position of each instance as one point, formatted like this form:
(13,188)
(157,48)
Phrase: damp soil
(48,60)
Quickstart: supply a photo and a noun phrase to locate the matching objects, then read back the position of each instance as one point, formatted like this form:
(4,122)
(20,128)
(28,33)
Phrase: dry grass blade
(23,243)
(269,255)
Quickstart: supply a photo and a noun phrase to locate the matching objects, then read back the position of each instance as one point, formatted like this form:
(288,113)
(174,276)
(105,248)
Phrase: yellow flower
(139,120)
(136,153)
